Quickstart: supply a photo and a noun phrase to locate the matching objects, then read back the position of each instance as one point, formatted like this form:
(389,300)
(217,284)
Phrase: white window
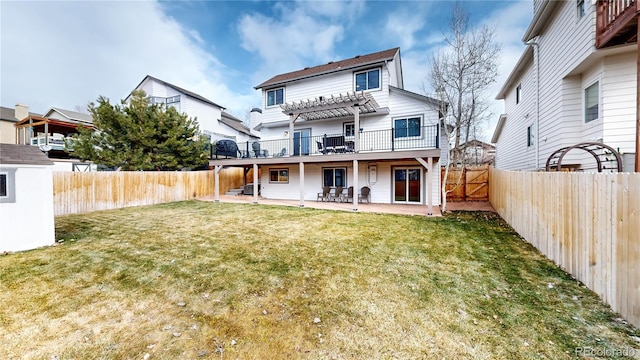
(275,97)
(334,177)
(530,135)
(367,80)
(279,176)
(518,93)
(407,127)
(7,186)
(591,102)
(349,129)
(580,8)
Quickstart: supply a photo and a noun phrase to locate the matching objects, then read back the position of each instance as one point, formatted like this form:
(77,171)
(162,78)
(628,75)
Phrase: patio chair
(348,197)
(336,196)
(282,153)
(324,195)
(256,148)
(364,195)
(321,148)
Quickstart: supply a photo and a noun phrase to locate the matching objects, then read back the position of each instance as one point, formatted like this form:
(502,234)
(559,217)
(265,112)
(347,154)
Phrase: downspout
(537,60)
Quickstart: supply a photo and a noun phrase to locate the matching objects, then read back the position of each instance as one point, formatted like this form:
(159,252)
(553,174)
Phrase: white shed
(26,198)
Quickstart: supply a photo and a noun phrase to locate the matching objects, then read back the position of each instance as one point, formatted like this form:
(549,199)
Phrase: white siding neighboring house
(212,119)
(564,91)
(26,198)
(347,123)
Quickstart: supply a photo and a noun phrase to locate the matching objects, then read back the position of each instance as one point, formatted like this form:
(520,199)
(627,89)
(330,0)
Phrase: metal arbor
(607,158)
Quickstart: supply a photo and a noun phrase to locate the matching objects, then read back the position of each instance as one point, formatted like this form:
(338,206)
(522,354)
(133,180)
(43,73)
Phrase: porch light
(361,130)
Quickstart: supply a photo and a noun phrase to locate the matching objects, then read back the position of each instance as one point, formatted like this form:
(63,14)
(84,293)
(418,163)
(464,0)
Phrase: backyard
(198,279)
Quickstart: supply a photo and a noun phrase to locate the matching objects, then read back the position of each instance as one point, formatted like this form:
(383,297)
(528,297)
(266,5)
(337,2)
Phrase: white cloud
(65,54)
(301,34)
(403,24)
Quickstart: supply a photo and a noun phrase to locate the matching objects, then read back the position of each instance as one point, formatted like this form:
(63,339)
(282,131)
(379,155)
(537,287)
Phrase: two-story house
(50,132)
(574,88)
(213,121)
(342,124)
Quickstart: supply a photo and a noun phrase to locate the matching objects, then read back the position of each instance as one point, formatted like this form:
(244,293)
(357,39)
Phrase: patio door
(301,139)
(407,185)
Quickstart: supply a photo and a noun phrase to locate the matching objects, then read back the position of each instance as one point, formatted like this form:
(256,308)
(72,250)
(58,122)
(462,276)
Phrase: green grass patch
(215,280)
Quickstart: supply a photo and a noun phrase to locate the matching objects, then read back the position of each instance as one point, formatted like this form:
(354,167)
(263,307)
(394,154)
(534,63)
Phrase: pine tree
(140,136)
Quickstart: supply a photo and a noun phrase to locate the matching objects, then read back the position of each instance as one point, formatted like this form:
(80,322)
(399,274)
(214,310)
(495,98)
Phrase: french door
(407,185)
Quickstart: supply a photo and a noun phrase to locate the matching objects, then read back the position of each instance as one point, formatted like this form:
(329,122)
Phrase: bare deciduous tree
(461,74)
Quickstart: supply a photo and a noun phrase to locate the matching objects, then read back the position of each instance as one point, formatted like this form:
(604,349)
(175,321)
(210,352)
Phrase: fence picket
(587,223)
(77,192)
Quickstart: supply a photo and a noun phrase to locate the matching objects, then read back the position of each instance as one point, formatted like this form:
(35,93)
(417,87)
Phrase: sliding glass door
(301,142)
(407,185)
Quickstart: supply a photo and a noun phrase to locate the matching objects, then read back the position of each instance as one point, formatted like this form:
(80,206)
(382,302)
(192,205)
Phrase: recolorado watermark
(606,352)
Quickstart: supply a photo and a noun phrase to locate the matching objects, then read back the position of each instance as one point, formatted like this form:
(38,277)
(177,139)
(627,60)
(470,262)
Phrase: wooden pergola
(40,124)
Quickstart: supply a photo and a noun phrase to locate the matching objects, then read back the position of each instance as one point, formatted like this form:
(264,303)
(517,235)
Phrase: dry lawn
(193,280)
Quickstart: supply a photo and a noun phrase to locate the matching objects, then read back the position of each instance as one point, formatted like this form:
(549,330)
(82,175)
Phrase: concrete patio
(402,209)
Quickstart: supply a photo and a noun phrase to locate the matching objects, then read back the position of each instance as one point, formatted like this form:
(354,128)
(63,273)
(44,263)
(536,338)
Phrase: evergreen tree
(140,136)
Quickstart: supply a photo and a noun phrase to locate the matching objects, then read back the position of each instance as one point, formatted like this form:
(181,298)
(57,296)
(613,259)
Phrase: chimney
(255,118)
(21,112)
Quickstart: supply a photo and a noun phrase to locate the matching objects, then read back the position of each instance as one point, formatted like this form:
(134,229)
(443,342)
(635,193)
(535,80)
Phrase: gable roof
(9,114)
(332,66)
(71,115)
(12,154)
(420,97)
(235,123)
(179,89)
(476,142)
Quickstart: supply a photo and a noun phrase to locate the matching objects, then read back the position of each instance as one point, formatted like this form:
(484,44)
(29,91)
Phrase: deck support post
(292,121)
(356,128)
(355,183)
(216,191)
(430,177)
(301,184)
(255,183)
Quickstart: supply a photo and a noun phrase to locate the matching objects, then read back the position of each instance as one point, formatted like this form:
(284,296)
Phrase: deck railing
(55,143)
(611,17)
(425,137)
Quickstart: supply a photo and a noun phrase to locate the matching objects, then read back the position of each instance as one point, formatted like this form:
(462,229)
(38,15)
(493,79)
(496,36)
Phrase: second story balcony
(374,141)
(616,22)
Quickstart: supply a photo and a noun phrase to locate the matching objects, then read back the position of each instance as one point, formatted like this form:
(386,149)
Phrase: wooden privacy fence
(77,192)
(587,223)
(473,183)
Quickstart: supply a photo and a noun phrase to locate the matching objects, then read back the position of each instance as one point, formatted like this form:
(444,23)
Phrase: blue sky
(67,53)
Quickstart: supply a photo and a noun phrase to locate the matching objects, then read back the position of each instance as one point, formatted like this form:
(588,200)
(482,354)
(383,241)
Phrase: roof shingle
(330,67)
(11,154)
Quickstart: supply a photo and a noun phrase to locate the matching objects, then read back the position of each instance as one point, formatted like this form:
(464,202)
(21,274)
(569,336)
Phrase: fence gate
(470,183)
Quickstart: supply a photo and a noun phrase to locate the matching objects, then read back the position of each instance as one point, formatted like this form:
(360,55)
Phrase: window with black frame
(334,177)
(407,127)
